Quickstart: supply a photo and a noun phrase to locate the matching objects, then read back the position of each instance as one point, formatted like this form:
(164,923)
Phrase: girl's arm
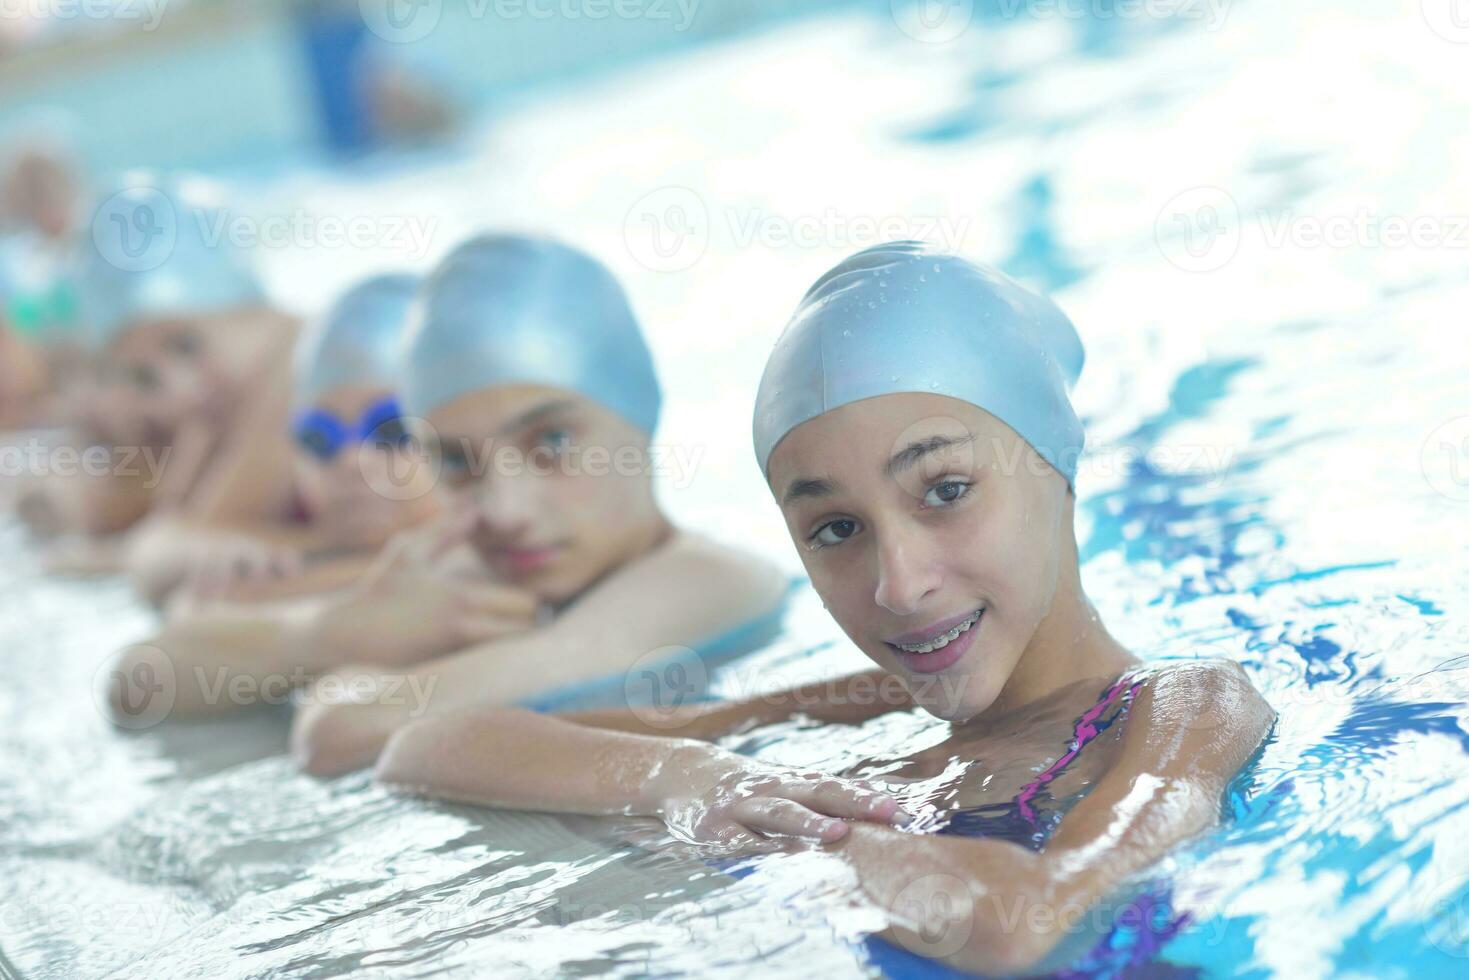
(522,760)
(849,700)
(995,907)
(681,594)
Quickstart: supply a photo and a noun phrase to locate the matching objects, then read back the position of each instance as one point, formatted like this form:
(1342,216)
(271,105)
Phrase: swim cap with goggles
(358,342)
(900,317)
(505,309)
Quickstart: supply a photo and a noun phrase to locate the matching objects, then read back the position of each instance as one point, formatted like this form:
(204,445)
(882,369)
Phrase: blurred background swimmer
(39,349)
(190,360)
(555,568)
(354,479)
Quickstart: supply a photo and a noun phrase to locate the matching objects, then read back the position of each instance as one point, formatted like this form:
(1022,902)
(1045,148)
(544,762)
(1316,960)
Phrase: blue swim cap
(359,340)
(502,309)
(900,317)
(159,247)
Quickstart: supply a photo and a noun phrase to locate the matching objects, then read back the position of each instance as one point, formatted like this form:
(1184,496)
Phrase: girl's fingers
(772,815)
(837,798)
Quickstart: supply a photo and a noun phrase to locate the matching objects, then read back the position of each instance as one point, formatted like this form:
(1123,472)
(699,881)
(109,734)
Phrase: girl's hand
(707,795)
(228,562)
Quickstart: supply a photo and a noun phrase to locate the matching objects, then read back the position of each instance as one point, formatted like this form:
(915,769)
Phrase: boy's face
(934,535)
(559,483)
(370,485)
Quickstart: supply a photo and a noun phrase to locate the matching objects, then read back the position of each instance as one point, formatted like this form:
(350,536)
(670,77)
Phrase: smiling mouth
(943,639)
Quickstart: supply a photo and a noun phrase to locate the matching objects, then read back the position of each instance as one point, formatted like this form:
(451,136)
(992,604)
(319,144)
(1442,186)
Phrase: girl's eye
(557,440)
(833,532)
(945,493)
(182,344)
(145,379)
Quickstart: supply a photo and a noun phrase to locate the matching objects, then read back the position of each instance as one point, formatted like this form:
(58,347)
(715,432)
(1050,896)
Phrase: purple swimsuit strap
(1086,730)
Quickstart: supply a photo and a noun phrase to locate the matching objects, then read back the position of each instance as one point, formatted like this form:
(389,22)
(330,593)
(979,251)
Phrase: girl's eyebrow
(806,488)
(904,459)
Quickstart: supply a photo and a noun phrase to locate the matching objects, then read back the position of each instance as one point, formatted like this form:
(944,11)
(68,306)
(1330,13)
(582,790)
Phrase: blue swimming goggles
(324,435)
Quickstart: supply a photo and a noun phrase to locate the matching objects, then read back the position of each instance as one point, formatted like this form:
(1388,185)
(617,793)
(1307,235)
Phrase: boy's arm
(683,593)
(995,907)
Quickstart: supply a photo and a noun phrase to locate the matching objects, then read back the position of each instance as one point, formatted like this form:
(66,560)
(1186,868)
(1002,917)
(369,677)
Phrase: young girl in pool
(189,357)
(914,426)
(308,510)
(555,566)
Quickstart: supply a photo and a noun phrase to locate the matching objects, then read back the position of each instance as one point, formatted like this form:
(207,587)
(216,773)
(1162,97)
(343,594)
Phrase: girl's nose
(907,575)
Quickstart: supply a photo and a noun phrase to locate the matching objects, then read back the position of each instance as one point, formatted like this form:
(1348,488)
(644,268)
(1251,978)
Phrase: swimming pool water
(1278,416)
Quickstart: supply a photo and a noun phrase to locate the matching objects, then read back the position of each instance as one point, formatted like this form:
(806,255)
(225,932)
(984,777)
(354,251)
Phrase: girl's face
(180,369)
(560,485)
(355,469)
(161,370)
(934,535)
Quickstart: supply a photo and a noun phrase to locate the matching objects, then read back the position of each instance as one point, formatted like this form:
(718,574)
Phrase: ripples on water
(1322,545)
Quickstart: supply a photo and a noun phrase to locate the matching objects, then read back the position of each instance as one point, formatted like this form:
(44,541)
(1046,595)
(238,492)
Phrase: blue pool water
(1277,402)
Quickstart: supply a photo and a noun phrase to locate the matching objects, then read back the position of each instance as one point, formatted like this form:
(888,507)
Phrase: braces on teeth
(939,642)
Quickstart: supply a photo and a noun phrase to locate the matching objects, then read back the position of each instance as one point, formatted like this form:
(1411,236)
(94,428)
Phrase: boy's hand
(406,608)
(708,795)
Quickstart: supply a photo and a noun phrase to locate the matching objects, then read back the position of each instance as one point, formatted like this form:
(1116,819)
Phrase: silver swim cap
(899,317)
(505,309)
(159,247)
(359,341)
